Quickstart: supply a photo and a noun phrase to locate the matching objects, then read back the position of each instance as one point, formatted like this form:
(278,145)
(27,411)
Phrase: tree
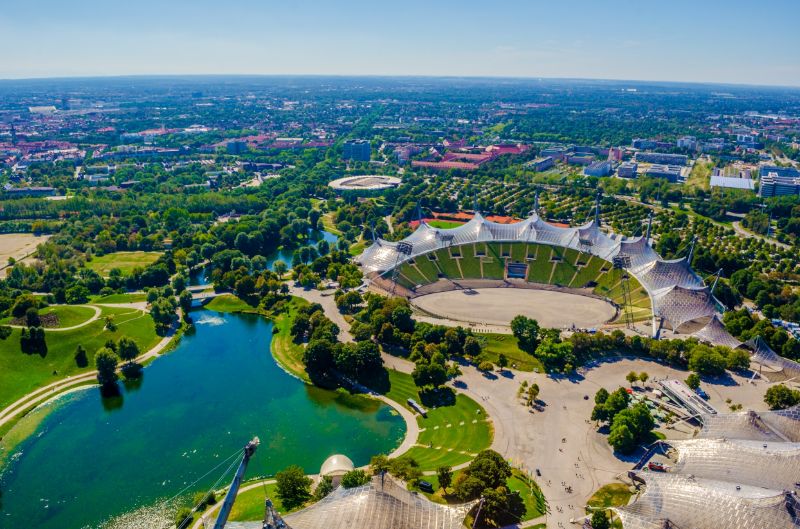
(445,475)
(77,294)
(526,331)
(355,478)
(632,377)
(318,356)
(127,349)
(32,341)
(105,362)
(185,301)
(324,487)
(622,439)
(32,318)
(533,394)
(780,397)
(472,346)
(600,520)
(5,331)
(644,377)
(693,381)
(293,487)
(183,518)
(81,360)
(485,366)
(502,361)
(706,361)
(737,360)
(429,374)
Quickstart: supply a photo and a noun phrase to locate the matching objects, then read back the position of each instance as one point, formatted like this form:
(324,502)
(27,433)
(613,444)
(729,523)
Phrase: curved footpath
(55,389)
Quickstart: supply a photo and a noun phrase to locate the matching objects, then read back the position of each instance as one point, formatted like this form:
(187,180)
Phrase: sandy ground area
(561,441)
(18,246)
(498,306)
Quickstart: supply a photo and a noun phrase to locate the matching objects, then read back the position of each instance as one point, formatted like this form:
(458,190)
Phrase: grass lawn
(121,298)
(249,506)
(611,495)
(444,224)
(496,344)
(22,373)
(284,350)
(229,303)
(328,225)
(125,261)
(450,435)
(531,494)
(69,315)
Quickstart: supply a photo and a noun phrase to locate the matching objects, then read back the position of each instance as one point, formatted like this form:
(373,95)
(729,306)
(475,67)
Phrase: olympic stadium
(741,471)
(534,254)
(365,183)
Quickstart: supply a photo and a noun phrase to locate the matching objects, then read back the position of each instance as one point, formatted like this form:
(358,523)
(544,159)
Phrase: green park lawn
(495,344)
(121,298)
(229,303)
(21,373)
(249,505)
(531,494)
(611,495)
(450,435)
(125,261)
(69,315)
(286,352)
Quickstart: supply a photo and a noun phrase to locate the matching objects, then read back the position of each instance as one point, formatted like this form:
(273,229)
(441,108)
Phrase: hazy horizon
(717,42)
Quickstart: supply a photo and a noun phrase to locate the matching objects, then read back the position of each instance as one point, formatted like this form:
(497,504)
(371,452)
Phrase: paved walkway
(325,298)
(744,232)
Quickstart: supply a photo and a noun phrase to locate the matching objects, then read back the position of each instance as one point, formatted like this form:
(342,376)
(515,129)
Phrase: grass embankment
(249,505)
(125,261)
(22,373)
(700,177)
(451,434)
(611,495)
(328,224)
(529,492)
(230,303)
(68,315)
(136,297)
(506,344)
(287,353)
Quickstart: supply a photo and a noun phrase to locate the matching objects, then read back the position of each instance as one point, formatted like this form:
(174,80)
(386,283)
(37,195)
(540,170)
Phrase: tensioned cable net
(677,293)
(776,367)
(381,504)
(742,471)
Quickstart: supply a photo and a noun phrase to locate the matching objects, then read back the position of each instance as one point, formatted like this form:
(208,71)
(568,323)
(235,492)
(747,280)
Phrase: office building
(627,170)
(600,169)
(670,172)
(236,147)
(640,143)
(541,164)
(687,142)
(773,185)
(358,150)
(662,158)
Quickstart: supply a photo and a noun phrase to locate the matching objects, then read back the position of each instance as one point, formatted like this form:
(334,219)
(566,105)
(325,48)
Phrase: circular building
(336,466)
(365,183)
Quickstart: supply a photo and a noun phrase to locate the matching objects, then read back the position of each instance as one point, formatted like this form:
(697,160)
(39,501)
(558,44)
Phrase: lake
(90,458)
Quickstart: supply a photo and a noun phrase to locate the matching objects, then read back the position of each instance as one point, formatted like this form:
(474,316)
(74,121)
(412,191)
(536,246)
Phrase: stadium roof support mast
(649,227)
(622,262)
(227,505)
(403,249)
(597,210)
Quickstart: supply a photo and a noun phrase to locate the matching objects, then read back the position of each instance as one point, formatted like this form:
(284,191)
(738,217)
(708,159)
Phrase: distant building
(358,150)
(627,170)
(556,152)
(580,159)
(662,158)
(640,143)
(541,164)
(30,191)
(687,142)
(789,172)
(236,147)
(732,182)
(670,172)
(604,168)
(615,154)
(773,185)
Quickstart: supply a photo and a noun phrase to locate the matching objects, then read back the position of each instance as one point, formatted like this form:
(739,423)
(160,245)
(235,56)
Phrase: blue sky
(730,41)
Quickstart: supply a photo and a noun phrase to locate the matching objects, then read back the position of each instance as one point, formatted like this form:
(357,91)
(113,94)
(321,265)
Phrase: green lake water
(91,459)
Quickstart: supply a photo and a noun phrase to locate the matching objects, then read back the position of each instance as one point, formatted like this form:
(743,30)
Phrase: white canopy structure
(743,470)
(678,295)
(381,504)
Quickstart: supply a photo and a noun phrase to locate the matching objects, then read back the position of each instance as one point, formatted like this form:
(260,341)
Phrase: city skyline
(712,42)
